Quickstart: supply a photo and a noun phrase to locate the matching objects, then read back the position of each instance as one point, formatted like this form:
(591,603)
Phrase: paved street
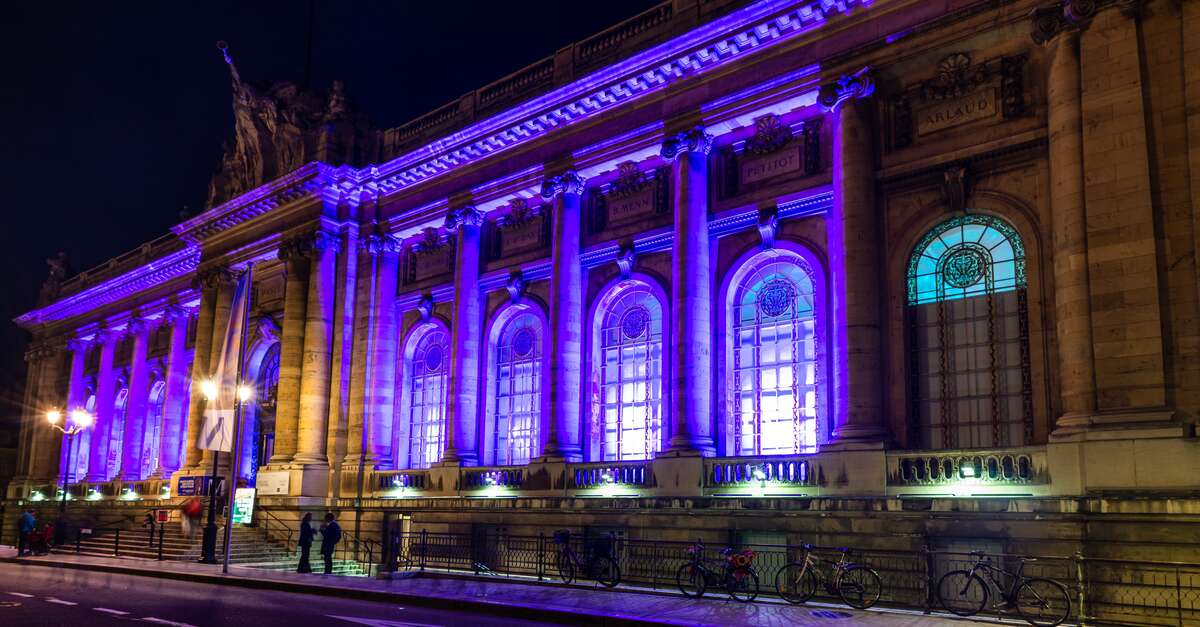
(34,595)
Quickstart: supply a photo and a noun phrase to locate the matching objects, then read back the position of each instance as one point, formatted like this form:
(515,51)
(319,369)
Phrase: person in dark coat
(306,539)
(331,533)
(26,524)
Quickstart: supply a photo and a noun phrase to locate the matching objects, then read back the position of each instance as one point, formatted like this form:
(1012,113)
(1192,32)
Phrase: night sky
(114,112)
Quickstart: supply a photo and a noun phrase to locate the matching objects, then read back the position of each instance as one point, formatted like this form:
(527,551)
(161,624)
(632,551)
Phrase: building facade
(796,266)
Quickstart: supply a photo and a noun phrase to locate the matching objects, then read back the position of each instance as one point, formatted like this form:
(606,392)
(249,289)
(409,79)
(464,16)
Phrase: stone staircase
(249,547)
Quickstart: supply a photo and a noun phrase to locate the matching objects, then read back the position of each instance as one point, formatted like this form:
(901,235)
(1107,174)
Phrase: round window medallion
(634,322)
(776,298)
(433,358)
(963,265)
(522,342)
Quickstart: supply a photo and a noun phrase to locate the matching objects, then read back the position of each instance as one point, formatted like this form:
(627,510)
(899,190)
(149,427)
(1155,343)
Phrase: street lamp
(208,546)
(79,420)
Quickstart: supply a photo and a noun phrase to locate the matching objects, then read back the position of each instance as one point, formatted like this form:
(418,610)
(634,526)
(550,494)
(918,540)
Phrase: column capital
(376,243)
(213,277)
(108,337)
(1062,17)
(695,139)
(860,84)
(569,182)
(463,216)
(176,314)
(305,245)
(38,351)
(78,344)
(141,326)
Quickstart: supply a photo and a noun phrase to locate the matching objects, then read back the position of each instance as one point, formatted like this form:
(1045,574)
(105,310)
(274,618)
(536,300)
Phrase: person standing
(331,533)
(306,540)
(25,526)
(149,524)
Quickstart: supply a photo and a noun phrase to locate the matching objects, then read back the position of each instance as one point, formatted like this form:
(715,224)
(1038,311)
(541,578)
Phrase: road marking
(60,601)
(21,594)
(108,611)
(379,622)
(170,623)
(10,604)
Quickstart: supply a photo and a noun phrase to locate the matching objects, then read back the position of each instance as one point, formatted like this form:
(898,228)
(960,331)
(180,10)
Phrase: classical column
(566,318)
(466,339)
(853,235)
(25,439)
(318,348)
(76,400)
(691,295)
(1072,298)
(374,371)
(46,440)
(226,286)
(207,282)
(175,404)
(106,392)
(136,401)
(296,258)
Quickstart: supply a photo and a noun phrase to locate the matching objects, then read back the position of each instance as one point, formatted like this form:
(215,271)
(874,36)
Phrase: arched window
(774,356)
(266,394)
(627,374)
(152,443)
(427,361)
(116,433)
(969,336)
(517,390)
(76,457)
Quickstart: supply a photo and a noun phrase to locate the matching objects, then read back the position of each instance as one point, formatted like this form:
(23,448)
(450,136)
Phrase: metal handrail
(287,543)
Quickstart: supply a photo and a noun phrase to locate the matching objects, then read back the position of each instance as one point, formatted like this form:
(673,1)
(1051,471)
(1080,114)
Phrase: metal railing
(1103,591)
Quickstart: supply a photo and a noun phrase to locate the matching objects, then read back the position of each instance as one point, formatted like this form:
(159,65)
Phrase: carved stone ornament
(77,344)
(1050,21)
(463,216)
(516,286)
(770,135)
(954,189)
(626,257)
(268,329)
(569,182)
(431,240)
(860,84)
(210,278)
(141,326)
(377,243)
(425,307)
(108,336)
(630,180)
(176,314)
(768,226)
(956,77)
(519,214)
(303,246)
(692,140)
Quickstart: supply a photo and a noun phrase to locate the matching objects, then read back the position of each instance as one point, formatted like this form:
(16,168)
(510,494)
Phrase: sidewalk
(575,605)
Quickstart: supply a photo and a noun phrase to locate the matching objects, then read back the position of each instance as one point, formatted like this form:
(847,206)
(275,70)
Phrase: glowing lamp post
(208,548)
(79,420)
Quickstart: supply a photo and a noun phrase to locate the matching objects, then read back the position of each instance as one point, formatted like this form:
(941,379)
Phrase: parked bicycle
(859,586)
(734,572)
(600,564)
(1040,601)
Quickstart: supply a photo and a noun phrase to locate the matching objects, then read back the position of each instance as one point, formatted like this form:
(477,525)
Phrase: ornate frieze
(432,256)
(522,229)
(775,151)
(376,243)
(463,216)
(961,93)
(633,196)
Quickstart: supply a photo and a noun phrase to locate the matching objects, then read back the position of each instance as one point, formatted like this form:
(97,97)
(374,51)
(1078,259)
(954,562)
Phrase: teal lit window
(966,256)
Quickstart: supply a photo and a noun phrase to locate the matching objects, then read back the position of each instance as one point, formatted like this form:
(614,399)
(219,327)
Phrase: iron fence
(1103,591)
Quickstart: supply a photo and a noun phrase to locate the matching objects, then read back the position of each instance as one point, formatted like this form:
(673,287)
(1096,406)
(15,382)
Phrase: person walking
(25,526)
(331,533)
(149,524)
(190,517)
(306,539)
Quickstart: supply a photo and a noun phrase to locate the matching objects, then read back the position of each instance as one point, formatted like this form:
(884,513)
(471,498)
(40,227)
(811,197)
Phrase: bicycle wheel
(566,567)
(795,584)
(691,581)
(860,587)
(605,570)
(742,584)
(962,593)
(1043,602)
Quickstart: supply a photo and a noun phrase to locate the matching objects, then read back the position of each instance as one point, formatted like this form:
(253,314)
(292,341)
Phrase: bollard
(160,541)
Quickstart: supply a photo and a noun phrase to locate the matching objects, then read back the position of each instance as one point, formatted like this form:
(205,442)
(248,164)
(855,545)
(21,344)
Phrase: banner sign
(216,432)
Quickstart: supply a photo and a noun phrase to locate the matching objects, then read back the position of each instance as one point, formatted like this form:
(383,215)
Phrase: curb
(514,610)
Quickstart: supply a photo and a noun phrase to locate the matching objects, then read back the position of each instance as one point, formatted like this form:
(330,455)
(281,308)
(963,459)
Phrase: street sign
(243,506)
(162,515)
(195,485)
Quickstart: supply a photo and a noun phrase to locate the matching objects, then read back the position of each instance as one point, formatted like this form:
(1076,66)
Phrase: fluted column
(853,233)
(226,286)
(76,400)
(136,401)
(374,372)
(691,295)
(318,349)
(1072,298)
(47,443)
(207,282)
(466,338)
(291,350)
(566,318)
(106,390)
(175,404)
